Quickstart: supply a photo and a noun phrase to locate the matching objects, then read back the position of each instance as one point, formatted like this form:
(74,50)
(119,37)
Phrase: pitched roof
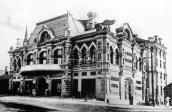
(140,40)
(58,26)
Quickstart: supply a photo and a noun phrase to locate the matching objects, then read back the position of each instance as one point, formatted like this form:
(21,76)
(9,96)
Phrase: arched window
(117,57)
(140,65)
(44,37)
(19,63)
(111,55)
(84,54)
(93,54)
(136,63)
(30,59)
(15,64)
(57,56)
(151,49)
(43,59)
(76,57)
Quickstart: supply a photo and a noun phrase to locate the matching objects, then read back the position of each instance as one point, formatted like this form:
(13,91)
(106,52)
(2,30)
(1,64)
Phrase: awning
(40,68)
(4,77)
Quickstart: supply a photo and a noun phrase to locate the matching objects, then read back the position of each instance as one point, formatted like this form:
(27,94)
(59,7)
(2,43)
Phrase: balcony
(40,69)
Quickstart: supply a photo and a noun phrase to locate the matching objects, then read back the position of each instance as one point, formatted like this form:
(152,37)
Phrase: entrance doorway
(4,84)
(56,87)
(88,88)
(16,86)
(28,87)
(41,86)
(75,88)
(129,90)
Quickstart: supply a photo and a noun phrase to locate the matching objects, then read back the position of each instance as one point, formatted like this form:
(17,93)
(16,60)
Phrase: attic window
(44,37)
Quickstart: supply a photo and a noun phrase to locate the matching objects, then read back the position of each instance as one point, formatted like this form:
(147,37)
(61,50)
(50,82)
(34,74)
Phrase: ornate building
(83,58)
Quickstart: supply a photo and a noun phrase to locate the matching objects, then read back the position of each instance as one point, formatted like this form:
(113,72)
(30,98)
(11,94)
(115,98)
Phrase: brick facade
(82,58)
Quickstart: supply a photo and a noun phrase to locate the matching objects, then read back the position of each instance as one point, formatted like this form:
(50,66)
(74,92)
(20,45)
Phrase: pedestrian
(86,98)
(46,92)
(18,91)
(33,92)
(21,92)
(167,101)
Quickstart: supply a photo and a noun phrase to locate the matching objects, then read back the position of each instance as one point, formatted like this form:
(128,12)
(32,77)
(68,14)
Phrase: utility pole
(153,102)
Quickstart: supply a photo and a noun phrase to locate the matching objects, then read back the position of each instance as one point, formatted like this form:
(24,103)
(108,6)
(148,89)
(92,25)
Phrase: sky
(146,18)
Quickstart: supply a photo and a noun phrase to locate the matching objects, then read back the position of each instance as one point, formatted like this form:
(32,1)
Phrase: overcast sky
(146,18)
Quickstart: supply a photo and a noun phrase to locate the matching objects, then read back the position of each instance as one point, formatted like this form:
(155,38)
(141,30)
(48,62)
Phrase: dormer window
(127,34)
(44,37)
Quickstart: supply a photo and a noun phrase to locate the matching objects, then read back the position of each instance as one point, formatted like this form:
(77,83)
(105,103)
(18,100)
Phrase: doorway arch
(41,86)
(129,90)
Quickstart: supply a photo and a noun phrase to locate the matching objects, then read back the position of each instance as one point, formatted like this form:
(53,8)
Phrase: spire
(68,18)
(25,37)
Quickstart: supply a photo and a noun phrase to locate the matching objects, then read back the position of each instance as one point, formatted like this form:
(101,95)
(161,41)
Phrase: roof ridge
(51,19)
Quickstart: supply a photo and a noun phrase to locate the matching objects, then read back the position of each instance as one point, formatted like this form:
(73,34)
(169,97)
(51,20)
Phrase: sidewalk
(58,104)
(48,102)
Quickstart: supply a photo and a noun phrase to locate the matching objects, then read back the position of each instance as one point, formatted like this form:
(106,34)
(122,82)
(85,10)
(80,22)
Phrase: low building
(168,93)
(83,58)
(4,82)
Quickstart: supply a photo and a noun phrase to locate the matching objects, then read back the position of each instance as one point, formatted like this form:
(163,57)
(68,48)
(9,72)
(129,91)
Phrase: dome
(92,15)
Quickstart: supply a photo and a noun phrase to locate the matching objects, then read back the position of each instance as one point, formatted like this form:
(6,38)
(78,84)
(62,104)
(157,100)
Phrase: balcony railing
(40,67)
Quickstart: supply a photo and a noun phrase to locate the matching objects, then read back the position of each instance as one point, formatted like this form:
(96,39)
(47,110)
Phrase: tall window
(76,57)
(43,59)
(111,55)
(117,57)
(136,63)
(19,62)
(99,45)
(15,65)
(140,65)
(93,54)
(30,59)
(151,49)
(57,56)
(99,57)
(84,54)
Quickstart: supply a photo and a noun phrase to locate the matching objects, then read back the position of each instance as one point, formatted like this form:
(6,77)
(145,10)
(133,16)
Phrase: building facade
(83,58)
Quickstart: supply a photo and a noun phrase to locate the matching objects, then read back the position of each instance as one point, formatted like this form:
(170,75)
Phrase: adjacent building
(168,93)
(4,82)
(83,58)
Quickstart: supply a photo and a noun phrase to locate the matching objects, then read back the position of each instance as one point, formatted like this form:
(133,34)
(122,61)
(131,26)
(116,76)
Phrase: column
(79,83)
(49,86)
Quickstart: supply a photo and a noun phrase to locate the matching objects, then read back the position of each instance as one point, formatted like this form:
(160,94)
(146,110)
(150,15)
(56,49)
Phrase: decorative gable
(125,32)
